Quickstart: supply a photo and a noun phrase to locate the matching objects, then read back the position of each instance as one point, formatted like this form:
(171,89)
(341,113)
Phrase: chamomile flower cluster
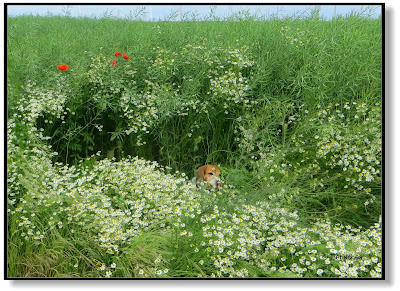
(342,154)
(107,82)
(171,87)
(223,73)
(296,37)
(43,102)
(348,151)
(117,205)
(348,141)
(328,249)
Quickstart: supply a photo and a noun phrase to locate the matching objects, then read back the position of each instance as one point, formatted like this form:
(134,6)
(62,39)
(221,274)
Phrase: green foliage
(289,109)
(332,163)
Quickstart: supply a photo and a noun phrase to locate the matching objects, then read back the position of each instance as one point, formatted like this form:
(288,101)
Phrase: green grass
(289,109)
(338,56)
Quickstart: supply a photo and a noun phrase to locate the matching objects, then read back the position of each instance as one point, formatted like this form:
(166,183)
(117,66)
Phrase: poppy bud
(125,56)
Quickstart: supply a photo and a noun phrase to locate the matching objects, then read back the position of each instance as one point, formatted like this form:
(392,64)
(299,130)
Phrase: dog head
(209,174)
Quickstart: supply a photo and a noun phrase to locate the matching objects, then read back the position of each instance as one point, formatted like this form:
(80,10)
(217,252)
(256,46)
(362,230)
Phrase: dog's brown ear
(206,169)
(200,172)
(217,171)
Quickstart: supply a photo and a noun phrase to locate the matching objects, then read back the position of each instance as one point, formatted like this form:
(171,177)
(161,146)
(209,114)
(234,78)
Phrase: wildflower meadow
(108,120)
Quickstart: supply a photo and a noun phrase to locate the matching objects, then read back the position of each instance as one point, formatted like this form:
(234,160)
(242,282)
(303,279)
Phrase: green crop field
(101,153)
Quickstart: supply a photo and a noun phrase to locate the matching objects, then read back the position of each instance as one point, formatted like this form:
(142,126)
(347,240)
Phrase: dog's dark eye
(211,174)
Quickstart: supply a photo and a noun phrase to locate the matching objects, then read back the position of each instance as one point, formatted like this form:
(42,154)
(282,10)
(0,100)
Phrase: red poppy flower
(117,54)
(125,56)
(62,67)
(114,62)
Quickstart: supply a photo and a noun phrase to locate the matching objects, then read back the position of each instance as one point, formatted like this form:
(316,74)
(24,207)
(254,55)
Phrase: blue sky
(160,12)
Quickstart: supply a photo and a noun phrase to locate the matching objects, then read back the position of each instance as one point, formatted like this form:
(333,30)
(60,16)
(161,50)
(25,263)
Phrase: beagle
(208,174)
